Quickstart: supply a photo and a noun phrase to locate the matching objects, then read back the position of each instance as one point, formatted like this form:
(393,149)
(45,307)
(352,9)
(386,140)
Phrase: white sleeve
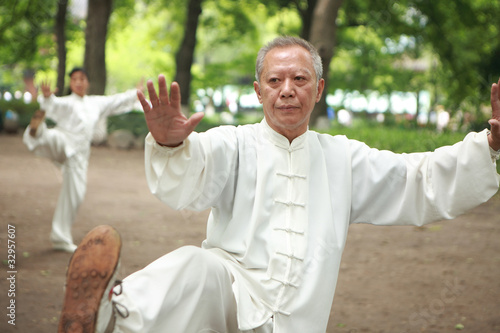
(194,174)
(118,103)
(420,188)
(56,108)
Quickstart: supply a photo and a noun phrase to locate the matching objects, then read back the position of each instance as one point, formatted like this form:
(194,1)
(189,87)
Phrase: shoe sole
(35,122)
(90,271)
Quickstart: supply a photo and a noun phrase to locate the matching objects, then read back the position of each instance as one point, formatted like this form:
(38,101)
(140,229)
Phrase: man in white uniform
(281,197)
(68,143)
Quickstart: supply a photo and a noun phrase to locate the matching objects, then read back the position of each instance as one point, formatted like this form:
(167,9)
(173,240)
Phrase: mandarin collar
(280,140)
(76,96)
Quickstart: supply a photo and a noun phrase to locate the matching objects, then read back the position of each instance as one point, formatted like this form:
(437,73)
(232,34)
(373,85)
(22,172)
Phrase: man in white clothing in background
(281,197)
(68,143)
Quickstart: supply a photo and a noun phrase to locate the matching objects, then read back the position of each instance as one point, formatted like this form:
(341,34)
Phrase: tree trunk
(307,17)
(60,27)
(98,15)
(185,54)
(323,37)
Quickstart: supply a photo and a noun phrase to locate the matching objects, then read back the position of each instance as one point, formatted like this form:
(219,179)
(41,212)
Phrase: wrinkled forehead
(288,58)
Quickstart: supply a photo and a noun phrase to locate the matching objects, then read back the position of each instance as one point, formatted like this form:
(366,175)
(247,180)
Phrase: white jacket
(280,211)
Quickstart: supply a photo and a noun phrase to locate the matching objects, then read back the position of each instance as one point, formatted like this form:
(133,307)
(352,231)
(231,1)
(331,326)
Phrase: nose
(287,89)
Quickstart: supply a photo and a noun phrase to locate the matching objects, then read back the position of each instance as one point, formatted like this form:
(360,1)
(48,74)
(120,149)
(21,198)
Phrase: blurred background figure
(68,143)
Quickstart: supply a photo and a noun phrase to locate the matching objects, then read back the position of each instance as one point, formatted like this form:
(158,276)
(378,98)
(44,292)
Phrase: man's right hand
(45,86)
(165,120)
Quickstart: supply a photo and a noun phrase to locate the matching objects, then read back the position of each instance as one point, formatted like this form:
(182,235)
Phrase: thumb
(194,120)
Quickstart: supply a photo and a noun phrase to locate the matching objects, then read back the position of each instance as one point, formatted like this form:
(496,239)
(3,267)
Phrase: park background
(410,63)
(392,68)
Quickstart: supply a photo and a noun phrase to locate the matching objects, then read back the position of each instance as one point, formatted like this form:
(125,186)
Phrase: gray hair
(284,41)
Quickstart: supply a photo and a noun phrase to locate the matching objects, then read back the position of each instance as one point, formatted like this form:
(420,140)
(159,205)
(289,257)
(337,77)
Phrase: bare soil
(444,277)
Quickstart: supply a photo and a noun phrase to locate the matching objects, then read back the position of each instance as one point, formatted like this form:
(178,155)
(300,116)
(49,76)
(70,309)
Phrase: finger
(175,94)
(152,93)
(162,87)
(498,90)
(494,123)
(495,129)
(142,99)
(495,102)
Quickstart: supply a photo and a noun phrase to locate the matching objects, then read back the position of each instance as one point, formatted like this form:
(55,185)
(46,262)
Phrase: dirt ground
(444,277)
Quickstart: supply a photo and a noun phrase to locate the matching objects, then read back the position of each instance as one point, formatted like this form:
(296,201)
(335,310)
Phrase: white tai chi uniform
(68,145)
(278,223)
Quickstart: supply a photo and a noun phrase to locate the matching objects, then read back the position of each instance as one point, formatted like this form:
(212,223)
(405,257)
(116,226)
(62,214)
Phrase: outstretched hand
(46,91)
(165,120)
(494,137)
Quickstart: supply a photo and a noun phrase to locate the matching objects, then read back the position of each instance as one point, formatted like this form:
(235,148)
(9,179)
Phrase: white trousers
(186,291)
(51,143)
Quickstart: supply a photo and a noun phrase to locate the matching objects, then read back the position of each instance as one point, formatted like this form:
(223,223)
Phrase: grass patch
(397,138)
(402,138)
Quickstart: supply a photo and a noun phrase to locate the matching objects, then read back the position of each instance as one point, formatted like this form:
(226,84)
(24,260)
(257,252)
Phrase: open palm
(46,90)
(165,120)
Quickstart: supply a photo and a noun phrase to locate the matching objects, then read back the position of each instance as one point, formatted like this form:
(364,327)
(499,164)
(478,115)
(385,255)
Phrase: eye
(273,80)
(299,78)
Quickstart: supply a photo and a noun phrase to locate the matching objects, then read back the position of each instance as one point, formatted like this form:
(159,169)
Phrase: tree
(185,55)
(305,9)
(21,22)
(22,25)
(225,51)
(60,26)
(323,37)
(228,42)
(464,34)
(98,15)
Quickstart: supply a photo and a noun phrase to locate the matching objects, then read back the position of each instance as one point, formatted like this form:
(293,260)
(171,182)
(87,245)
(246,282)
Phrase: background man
(68,143)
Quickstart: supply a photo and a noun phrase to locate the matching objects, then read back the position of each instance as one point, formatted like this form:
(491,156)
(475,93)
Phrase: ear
(256,87)
(321,86)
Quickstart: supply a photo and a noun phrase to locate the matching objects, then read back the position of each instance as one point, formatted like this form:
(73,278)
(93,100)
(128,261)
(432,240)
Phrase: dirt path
(392,279)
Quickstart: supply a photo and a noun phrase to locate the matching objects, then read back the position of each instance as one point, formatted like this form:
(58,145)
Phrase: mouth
(287,108)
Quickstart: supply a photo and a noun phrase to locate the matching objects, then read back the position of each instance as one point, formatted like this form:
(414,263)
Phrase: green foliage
(448,49)
(228,40)
(151,28)
(132,121)
(378,43)
(21,23)
(23,43)
(23,110)
(398,138)
(229,19)
(464,34)
(26,36)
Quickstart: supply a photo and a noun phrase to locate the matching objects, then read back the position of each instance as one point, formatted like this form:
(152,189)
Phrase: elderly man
(281,197)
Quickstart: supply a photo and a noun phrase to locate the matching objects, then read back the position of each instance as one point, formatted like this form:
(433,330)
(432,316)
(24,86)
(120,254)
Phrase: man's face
(79,83)
(288,90)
